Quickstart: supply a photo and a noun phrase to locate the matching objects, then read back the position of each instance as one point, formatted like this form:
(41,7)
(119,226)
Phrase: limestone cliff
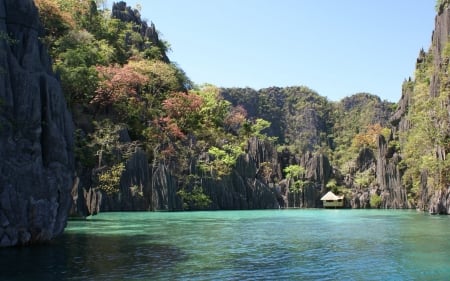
(311,132)
(36,166)
(146,188)
(421,124)
(388,176)
(437,200)
(419,166)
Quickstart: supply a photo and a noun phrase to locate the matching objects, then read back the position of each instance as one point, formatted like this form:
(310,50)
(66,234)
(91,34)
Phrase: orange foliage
(56,21)
(169,151)
(181,104)
(169,128)
(117,83)
(369,137)
(236,117)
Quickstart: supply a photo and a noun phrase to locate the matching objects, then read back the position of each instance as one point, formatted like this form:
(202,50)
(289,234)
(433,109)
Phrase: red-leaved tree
(118,83)
(184,109)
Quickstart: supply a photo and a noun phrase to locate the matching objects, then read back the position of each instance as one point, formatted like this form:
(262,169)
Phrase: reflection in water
(85,256)
(241,245)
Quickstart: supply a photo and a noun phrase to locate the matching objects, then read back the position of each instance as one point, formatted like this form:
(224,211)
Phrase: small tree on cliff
(294,175)
(369,137)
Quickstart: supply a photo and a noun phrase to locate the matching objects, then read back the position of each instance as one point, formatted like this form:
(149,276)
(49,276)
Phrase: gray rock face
(163,190)
(439,41)
(393,194)
(144,188)
(318,171)
(360,199)
(134,187)
(246,188)
(36,143)
(398,119)
(243,189)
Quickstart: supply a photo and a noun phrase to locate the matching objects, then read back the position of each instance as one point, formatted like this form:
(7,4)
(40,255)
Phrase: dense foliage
(126,95)
(426,143)
(302,120)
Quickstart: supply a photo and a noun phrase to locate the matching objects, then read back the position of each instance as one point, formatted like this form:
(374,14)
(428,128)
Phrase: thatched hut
(331,200)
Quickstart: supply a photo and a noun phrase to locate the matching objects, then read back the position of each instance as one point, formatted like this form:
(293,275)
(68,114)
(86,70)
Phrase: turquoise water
(242,245)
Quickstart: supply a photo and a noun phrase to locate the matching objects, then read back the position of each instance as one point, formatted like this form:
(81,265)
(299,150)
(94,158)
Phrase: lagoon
(241,245)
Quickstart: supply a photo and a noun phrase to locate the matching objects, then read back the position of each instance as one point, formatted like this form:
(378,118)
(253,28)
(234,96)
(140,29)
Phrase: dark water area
(84,257)
(241,245)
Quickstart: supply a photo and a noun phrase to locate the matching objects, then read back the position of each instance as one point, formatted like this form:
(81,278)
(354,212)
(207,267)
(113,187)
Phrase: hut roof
(331,196)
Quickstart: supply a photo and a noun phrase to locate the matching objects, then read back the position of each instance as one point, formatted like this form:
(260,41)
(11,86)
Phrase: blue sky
(335,47)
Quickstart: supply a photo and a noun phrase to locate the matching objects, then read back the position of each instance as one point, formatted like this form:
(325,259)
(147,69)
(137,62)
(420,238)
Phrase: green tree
(355,120)
(375,201)
(109,180)
(441,5)
(195,199)
(55,20)
(294,175)
(223,159)
(105,140)
(332,185)
(364,179)
(425,145)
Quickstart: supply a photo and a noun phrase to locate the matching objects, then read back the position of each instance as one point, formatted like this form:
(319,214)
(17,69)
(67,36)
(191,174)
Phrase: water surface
(241,245)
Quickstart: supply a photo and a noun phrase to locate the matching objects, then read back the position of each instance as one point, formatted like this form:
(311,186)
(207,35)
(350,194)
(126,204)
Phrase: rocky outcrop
(437,201)
(383,165)
(134,187)
(121,11)
(360,199)
(141,188)
(367,107)
(36,143)
(296,114)
(318,171)
(163,192)
(251,185)
(248,186)
(389,178)
(398,120)
(439,41)
(430,198)
(365,159)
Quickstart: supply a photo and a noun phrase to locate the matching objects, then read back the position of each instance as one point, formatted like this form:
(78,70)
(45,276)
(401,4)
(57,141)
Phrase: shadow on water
(90,257)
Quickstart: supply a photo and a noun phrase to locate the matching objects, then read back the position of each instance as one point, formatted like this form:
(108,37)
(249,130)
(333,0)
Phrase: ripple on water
(245,245)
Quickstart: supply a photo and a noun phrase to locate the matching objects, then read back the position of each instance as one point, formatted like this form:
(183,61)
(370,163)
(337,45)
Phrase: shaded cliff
(36,143)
